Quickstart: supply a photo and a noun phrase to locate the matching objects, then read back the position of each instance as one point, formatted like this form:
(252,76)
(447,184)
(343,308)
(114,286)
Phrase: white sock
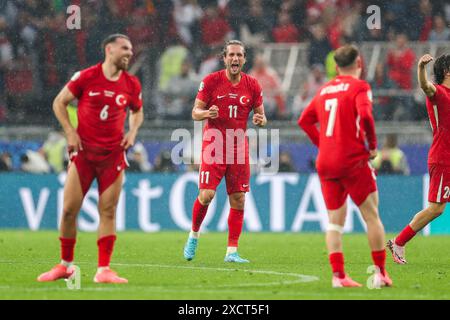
(100,269)
(66,264)
(194,234)
(231,250)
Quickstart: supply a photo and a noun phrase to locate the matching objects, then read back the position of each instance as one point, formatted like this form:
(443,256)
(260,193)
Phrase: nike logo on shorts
(244,185)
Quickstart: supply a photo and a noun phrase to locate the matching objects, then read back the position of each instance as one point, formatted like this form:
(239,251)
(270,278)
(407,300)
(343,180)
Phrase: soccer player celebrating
(225,99)
(343,110)
(438,102)
(97,149)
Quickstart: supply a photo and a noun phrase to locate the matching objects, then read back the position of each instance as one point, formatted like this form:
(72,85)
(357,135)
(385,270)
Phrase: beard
(122,63)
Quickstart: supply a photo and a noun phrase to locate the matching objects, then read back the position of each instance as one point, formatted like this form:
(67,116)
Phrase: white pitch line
(301,278)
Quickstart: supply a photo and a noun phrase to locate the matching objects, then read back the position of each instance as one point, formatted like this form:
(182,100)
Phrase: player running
(438,103)
(97,149)
(343,110)
(225,99)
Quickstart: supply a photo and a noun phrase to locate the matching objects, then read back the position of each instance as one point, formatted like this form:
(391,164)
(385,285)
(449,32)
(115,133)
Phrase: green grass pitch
(283,266)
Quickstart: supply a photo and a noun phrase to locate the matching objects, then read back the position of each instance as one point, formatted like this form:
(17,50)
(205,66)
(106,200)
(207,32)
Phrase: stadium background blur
(176,43)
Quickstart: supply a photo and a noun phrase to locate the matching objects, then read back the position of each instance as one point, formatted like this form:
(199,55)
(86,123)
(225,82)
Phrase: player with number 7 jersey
(346,139)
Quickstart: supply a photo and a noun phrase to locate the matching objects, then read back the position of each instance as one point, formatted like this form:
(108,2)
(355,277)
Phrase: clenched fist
(213,112)
(425,60)
(259,120)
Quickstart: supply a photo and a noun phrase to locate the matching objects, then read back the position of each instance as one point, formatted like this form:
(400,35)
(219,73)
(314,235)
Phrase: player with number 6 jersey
(97,150)
(346,139)
(225,100)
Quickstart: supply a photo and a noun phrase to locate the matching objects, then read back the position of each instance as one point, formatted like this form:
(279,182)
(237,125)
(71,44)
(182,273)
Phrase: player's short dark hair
(346,55)
(230,43)
(112,38)
(441,67)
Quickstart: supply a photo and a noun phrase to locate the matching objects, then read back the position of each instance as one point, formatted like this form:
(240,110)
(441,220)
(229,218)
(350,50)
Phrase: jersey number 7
(331,106)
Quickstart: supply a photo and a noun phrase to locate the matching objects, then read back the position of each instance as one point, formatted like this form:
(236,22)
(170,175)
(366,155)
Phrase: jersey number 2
(331,106)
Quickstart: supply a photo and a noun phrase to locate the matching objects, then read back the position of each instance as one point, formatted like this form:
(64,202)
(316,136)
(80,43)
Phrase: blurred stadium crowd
(181,39)
(178,42)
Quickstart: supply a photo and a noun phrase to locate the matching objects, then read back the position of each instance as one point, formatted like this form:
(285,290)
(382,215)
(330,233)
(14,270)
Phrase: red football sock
(198,214)
(105,250)
(337,264)
(379,259)
(235,223)
(404,236)
(67,249)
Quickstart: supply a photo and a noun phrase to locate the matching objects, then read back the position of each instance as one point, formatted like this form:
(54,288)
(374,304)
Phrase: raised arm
(60,104)
(427,86)
(199,112)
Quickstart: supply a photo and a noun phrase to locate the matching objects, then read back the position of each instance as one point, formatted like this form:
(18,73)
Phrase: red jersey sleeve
(136,99)
(205,89)
(257,95)
(76,83)
(363,103)
(308,120)
(439,92)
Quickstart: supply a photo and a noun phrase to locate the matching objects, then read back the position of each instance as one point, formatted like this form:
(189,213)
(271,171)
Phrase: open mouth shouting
(235,67)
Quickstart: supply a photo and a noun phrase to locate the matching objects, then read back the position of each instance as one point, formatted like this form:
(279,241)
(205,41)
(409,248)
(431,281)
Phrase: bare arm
(60,104)
(307,121)
(135,121)
(199,112)
(259,117)
(427,86)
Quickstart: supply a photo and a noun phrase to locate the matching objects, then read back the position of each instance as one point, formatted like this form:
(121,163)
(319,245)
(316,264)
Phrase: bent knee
(237,201)
(108,213)
(436,212)
(206,196)
(69,213)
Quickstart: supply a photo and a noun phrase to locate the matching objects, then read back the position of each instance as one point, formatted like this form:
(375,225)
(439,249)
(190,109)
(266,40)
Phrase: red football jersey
(235,102)
(343,110)
(438,108)
(102,105)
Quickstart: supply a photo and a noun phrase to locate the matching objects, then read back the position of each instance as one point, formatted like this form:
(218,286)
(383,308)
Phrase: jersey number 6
(104,113)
